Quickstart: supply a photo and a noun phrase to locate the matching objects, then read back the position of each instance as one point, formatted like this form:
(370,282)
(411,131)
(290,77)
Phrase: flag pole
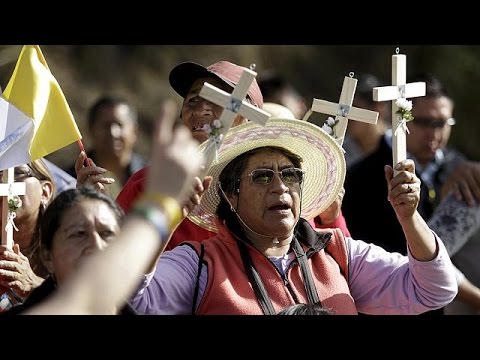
(80,144)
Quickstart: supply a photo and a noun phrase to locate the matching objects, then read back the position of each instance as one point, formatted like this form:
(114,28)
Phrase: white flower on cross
(214,137)
(329,125)
(404,109)
(405,114)
(214,131)
(14,204)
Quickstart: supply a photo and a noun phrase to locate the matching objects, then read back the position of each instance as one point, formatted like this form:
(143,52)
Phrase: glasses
(430,123)
(265,176)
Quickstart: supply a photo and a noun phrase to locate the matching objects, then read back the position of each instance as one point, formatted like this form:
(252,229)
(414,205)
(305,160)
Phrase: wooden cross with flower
(401,107)
(343,111)
(233,104)
(11,190)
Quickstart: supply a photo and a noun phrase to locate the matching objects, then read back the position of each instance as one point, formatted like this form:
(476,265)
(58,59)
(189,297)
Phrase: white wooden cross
(343,111)
(10,190)
(399,89)
(233,105)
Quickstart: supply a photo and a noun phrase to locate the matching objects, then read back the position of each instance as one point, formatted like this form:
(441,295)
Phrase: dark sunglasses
(265,176)
(430,123)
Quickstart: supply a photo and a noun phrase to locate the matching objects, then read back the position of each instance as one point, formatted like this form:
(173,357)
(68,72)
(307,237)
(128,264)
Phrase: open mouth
(280,207)
(199,128)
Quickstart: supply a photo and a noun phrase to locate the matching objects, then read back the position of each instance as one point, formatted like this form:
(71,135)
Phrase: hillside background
(140,73)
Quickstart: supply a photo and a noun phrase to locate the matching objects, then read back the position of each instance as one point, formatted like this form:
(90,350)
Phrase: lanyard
(257,283)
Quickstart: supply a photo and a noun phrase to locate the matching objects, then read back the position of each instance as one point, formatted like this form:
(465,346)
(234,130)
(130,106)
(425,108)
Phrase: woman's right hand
(91,175)
(330,214)
(198,189)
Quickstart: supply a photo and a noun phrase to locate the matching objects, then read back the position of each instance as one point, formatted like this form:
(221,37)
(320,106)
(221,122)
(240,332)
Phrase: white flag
(16,133)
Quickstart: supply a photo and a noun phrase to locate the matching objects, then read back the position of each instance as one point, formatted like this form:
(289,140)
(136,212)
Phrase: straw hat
(323,162)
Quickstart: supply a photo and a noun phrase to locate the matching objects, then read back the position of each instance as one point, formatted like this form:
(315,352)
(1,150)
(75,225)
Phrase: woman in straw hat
(187,80)
(268,181)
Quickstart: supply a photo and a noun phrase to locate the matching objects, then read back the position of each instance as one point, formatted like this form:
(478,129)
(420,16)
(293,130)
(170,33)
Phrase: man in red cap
(187,80)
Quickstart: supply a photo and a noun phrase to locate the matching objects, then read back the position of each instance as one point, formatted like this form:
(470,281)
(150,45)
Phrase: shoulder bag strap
(256,280)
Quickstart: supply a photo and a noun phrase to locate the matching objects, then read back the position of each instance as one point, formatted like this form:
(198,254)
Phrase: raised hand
(464,183)
(403,189)
(91,175)
(199,188)
(330,214)
(175,160)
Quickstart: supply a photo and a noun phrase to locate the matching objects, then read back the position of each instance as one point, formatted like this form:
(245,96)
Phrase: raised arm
(382,282)
(404,196)
(109,277)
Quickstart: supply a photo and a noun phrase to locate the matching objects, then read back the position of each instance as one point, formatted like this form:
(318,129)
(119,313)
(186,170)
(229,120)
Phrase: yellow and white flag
(34,91)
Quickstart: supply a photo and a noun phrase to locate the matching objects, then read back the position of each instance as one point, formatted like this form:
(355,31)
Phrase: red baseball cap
(185,74)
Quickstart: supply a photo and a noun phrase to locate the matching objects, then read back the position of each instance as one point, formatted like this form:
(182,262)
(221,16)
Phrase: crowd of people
(264,231)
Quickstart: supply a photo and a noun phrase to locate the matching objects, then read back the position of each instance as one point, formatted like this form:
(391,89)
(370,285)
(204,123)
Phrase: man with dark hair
(435,162)
(426,145)
(112,124)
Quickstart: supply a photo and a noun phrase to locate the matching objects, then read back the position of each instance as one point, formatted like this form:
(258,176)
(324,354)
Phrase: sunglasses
(430,123)
(265,176)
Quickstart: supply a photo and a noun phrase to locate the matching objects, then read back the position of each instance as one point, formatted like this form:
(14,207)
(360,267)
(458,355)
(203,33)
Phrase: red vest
(228,291)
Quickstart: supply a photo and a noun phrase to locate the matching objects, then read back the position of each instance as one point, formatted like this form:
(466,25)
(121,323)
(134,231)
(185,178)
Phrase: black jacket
(368,214)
